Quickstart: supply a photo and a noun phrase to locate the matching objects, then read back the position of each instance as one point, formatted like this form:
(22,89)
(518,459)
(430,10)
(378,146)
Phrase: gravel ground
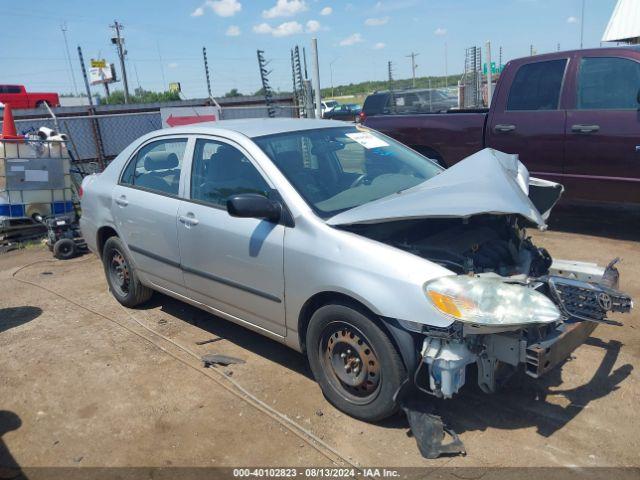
(84,384)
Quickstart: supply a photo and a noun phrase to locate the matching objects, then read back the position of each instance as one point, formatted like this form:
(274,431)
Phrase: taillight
(362,117)
(80,191)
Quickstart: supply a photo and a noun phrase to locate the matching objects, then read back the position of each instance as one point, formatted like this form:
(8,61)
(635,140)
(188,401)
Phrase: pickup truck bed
(572,117)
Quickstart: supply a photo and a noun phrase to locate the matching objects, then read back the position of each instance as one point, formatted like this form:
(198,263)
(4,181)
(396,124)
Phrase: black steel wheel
(121,275)
(354,361)
(64,249)
(350,361)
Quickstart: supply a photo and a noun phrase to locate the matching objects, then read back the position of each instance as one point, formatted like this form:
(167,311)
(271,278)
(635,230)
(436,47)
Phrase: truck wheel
(64,249)
(354,362)
(121,276)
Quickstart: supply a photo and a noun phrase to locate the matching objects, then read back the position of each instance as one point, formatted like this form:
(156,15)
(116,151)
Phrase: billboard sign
(100,75)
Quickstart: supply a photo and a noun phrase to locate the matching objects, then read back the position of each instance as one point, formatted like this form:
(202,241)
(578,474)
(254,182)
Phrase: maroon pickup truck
(573,118)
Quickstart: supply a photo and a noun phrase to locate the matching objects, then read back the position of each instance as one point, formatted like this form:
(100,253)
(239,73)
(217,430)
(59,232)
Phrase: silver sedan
(383,268)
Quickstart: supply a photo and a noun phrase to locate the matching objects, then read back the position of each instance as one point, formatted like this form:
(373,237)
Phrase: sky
(356,38)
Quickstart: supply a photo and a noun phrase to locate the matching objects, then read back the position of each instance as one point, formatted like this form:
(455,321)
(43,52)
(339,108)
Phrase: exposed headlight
(489,301)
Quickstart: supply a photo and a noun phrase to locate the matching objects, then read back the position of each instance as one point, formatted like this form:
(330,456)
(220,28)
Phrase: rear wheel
(121,276)
(354,362)
(42,104)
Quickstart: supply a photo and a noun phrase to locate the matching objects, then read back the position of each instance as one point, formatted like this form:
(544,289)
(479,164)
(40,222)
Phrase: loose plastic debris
(211,359)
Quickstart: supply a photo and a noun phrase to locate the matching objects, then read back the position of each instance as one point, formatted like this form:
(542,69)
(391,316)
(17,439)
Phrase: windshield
(335,169)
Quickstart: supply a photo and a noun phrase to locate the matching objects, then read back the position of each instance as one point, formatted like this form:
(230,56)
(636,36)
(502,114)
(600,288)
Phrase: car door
(529,119)
(233,265)
(145,207)
(602,160)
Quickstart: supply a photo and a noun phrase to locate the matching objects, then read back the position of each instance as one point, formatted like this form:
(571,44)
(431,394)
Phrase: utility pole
(316,75)
(206,70)
(84,74)
(500,58)
(331,70)
(63,27)
(446,65)
(531,50)
(118,41)
(489,75)
(582,24)
(413,56)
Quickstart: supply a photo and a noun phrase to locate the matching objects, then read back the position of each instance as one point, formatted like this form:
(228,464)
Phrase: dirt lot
(83,384)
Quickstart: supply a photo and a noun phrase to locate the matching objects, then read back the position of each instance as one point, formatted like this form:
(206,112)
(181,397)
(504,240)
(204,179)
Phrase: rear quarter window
(375,104)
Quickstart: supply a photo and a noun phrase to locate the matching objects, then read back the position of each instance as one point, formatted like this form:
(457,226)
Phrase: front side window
(335,169)
(608,83)
(221,170)
(157,166)
(537,86)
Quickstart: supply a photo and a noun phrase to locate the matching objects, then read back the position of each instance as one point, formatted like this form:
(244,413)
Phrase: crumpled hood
(487,182)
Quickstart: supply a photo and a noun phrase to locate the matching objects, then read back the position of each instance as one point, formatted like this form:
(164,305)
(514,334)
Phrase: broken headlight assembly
(489,301)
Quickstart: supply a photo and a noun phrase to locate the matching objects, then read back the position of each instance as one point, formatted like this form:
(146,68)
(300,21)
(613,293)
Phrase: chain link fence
(99,138)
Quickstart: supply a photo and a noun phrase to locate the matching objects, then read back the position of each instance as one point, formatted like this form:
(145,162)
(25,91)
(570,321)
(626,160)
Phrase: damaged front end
(510,304)
(562,316)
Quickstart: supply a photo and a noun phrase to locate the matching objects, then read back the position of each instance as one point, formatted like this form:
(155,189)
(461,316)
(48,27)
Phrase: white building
(624,25)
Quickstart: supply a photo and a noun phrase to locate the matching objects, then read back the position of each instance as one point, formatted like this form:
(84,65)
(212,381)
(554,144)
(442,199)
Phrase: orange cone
(9,126)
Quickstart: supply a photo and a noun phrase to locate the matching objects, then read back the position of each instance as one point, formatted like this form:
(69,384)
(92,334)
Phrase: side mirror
(252,205)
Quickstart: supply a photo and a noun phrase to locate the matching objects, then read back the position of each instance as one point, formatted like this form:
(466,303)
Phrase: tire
(121,275)
(64,249)
(42,103)
(353,360)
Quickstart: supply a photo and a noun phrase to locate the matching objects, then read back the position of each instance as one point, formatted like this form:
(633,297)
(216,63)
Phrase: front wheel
(121,276)
(354,362)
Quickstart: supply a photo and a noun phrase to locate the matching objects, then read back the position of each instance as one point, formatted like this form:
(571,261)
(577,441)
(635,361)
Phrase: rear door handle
(122,201)
(189,220)
(504,128)
(585,128)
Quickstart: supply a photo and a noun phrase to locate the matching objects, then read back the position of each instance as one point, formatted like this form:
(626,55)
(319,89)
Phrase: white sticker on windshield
(367,140)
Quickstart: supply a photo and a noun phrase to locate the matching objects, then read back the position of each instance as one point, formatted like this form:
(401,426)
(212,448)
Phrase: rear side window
(608,83)
(157,166)
(375,104)
(537,86)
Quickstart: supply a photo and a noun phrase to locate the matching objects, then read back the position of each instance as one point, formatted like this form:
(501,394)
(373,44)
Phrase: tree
(142,96)
(233,93)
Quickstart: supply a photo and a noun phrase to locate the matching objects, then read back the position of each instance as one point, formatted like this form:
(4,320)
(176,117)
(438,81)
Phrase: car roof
(258,127)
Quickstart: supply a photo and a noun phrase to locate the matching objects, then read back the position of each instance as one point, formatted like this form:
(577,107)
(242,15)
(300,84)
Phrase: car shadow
(9,468)
(616,222)
(236,334)
(523,402)
(12,317)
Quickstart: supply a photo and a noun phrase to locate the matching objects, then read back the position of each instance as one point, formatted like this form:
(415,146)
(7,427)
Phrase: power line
(63,27)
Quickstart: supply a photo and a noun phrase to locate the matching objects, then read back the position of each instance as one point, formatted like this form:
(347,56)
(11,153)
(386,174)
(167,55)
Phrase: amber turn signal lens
(445,304)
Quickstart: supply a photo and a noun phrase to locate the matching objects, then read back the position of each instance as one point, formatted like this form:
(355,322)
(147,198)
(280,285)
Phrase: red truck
(572,117)
(18,97)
